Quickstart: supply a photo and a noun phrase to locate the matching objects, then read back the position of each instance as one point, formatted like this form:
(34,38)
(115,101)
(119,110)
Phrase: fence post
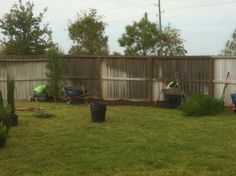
(211,77)
(100,77)
(150,80)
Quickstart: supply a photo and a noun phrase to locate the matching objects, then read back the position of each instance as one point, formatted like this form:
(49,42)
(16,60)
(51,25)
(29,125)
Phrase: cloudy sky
(205,24)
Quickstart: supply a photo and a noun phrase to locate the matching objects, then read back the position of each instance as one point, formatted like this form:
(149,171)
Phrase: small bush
(10,94)
(1,104)
(4,118)
(11,101)
(2,112)
(3,130)
(201,105)
(3,134)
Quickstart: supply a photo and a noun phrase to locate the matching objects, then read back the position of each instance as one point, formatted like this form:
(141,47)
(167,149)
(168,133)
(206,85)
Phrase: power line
(201,5)
(127,8)
(115,11)
(120,9)
(128,11)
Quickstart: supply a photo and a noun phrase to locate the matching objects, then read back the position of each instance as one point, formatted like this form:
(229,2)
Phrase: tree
(115,53)
(2,48)
(23,31)
(55,74)
(144,38)
(230,46)
(171,43)
(88,34)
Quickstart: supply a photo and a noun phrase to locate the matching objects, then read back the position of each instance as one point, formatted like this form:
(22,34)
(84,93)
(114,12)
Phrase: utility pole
(159,11)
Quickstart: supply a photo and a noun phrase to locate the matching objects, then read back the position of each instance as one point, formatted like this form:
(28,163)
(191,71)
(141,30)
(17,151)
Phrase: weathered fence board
(83,72)
(125,79)
(26,72)
(223,65)
(193,74)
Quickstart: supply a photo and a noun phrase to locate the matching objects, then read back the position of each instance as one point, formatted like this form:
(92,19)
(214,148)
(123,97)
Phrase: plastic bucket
(98,112)
(172,101)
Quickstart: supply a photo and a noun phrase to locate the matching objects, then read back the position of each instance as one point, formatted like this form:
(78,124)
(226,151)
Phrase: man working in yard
(40,92)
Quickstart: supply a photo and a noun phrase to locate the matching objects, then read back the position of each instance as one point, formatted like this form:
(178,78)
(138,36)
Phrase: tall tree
(171,43)
(230,46)
(55,72)
(88,34)
(144,38)
(23,32)
(2,48)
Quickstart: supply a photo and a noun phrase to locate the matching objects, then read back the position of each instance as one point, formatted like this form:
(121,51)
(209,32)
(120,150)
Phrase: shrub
(2,111)
(4,115)
(9,119)
(3,134)
(10,94)
(11,101)
(201,105)
(3,130)
(1,104)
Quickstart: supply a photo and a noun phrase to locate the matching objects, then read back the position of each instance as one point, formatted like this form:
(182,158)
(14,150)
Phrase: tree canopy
(144,38)
(88,34)
(171,43)
(23,32)
(230,46)
(2,48)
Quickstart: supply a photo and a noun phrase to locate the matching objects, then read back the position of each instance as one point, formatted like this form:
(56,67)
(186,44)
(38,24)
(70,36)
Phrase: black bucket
(98,112)
(172,101)
(173,98)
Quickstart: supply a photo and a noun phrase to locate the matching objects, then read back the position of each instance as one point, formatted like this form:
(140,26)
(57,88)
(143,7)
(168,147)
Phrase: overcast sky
(205,25)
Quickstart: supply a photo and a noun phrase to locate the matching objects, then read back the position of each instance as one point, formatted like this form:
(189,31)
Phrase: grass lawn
(133,141)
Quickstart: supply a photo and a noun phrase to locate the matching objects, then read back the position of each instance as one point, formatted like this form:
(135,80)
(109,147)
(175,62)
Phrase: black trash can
(173,98)
(172,101)
(98,111)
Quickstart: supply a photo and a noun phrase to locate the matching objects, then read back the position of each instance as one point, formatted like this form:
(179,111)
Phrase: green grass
(133,141)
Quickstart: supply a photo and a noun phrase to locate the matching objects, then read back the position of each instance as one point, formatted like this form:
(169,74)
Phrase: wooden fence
(135,79)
